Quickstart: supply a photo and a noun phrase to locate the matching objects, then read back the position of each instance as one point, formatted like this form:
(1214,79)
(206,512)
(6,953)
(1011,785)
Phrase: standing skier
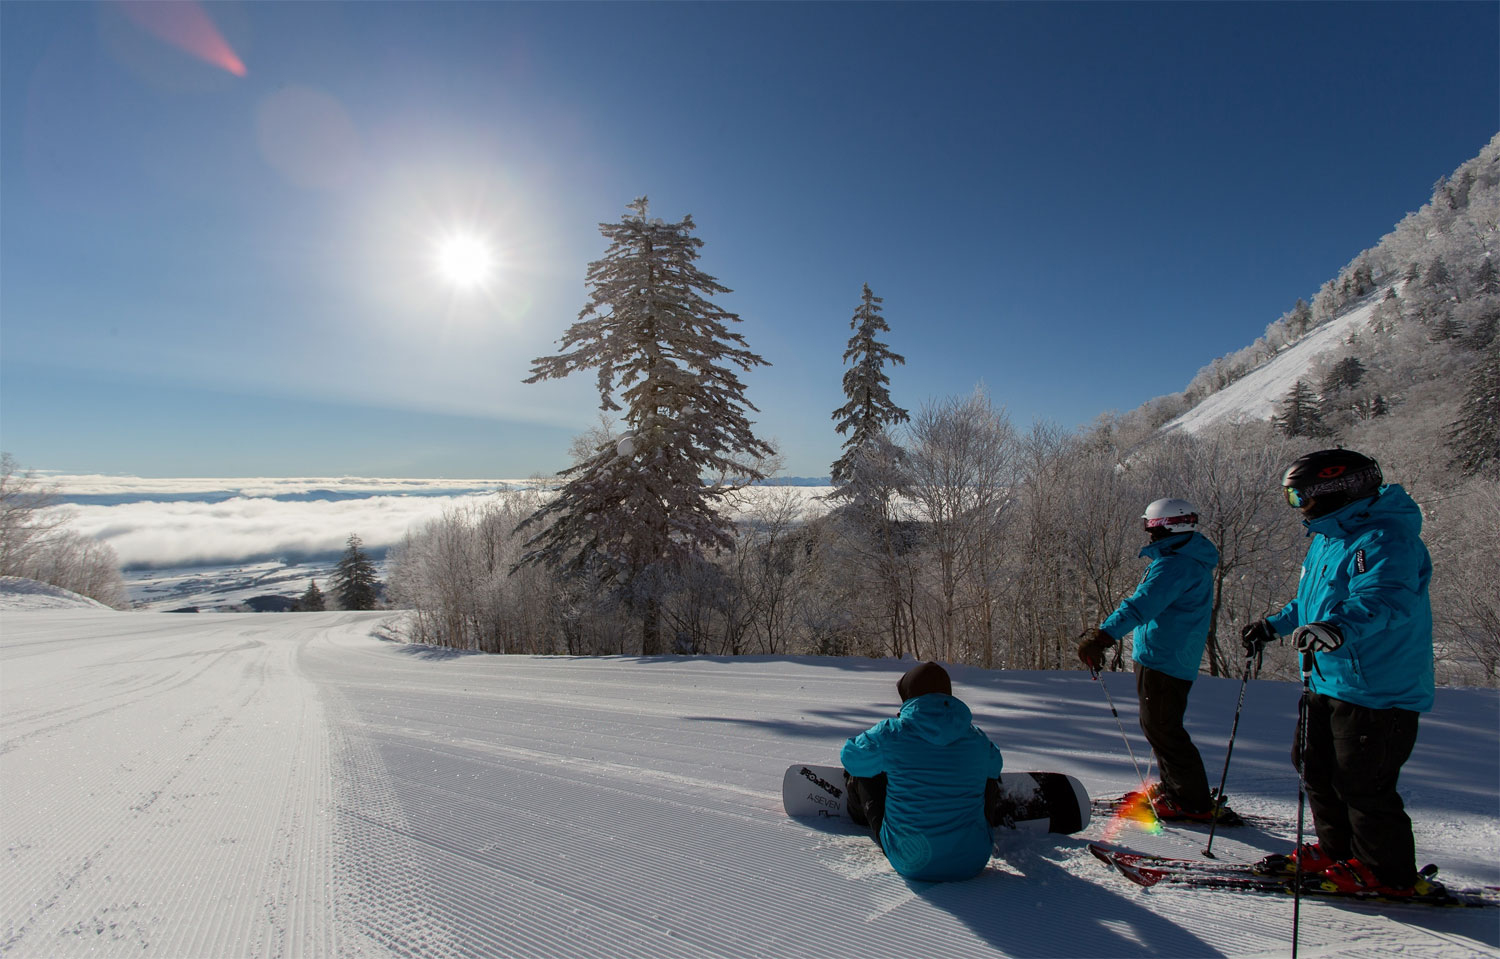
(920,781)
(1362,613)
(1169,612)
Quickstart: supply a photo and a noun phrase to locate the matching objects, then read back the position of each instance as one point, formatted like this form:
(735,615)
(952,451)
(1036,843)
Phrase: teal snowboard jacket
(1367,573)
(1170,609)
(936,763)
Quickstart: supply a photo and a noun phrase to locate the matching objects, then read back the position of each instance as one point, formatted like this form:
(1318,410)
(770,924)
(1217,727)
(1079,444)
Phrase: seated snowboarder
(922,781)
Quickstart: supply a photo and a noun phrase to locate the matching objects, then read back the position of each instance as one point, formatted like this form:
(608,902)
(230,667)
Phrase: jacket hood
(937,717)
(1194,546)
(1392,506)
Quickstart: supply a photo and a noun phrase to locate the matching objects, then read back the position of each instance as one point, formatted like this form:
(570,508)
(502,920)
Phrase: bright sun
(465,260)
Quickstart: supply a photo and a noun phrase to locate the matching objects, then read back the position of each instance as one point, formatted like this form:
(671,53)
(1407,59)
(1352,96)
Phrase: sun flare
(465,260)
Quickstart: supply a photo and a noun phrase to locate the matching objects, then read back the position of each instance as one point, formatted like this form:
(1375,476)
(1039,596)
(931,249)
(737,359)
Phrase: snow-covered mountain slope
(1255,395)
(229,785)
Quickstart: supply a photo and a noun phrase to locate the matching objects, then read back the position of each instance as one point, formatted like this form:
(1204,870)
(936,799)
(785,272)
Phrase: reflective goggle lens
(1294,498)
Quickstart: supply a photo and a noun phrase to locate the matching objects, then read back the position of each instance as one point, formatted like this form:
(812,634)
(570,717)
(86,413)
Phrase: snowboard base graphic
(1034,802)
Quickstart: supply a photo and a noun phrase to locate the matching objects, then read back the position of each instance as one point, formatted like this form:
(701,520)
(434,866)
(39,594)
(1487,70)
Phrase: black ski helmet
(1330,479)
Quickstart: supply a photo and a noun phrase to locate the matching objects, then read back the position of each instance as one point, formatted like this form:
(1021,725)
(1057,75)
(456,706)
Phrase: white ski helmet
(1172,515)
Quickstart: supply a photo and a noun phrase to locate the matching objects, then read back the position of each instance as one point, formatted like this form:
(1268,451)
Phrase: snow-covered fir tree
(312,600)
(1299,414)
(1475,437)
(638,511)
(866,472)
(1486,277)
(1342,375)
(353,580)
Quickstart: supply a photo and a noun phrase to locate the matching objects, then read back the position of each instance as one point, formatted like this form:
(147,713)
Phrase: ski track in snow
(289,785)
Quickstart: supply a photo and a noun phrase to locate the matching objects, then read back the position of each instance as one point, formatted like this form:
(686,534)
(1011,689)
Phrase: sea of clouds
(179,523)
(203,522)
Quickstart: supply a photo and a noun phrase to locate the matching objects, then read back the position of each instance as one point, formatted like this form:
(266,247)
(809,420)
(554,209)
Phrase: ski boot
(1352,877)
(1311,855)
(1167,809)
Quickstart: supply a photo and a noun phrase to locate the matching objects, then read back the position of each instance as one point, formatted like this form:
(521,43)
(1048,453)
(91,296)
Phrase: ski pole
(1228,751)
(1303,711)
(1094,672)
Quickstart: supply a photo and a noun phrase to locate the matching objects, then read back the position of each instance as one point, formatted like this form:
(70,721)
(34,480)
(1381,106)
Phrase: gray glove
(1317,638)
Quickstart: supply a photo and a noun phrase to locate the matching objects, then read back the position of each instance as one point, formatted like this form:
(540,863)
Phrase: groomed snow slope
(291,785)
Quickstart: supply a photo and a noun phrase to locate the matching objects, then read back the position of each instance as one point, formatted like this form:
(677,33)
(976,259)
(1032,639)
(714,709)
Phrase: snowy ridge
(17,592)
(233,785)
(1255,395)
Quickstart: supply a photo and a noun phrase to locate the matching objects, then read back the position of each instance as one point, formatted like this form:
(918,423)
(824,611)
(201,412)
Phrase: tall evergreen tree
(312,600)
(870,460)
(353,580)
(1299,414)
(1475,437)
(637,512)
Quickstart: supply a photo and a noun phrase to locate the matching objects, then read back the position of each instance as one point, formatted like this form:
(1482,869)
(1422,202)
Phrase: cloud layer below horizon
(165,523)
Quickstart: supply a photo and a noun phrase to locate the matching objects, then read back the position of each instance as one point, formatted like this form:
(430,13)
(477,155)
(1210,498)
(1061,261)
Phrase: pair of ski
(1115,806)
(1149,871)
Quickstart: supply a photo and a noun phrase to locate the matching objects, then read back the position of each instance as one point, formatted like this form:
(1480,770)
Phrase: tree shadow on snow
(435,653)
(831,724)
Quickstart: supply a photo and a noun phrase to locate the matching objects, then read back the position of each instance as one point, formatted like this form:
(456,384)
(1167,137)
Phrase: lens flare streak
(1135,810)
(187,27)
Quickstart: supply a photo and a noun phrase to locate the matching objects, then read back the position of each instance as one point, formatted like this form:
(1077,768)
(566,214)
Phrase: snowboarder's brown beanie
(923,679)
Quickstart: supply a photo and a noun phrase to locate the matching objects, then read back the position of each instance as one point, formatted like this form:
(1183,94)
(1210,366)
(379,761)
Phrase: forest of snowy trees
(952,534)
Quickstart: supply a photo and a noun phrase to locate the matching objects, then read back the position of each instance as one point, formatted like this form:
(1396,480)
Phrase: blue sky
(1078,205)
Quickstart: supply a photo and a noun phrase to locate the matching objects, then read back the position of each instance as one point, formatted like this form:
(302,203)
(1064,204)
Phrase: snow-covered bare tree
(35,542)
(25,516)
(963,465)
(640,510)
(862,474)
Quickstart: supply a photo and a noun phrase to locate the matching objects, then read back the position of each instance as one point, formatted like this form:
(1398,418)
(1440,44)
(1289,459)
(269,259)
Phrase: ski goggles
(1359,480)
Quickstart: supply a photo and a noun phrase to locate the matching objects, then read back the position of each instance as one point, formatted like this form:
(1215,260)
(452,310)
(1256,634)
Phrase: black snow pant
(1163,701)
(1354,755)
(866,801)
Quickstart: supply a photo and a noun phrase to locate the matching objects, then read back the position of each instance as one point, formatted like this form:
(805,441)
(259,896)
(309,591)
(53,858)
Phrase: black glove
(1091,650)
(1317,637)
(1257,636)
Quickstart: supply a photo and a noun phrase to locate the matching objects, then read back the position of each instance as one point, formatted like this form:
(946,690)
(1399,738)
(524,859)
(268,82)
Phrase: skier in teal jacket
(919,781)
(1169,613)
(1366,573)
(1362,621)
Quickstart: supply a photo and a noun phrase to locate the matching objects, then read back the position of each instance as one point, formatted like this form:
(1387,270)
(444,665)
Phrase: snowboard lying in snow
(1034,802)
